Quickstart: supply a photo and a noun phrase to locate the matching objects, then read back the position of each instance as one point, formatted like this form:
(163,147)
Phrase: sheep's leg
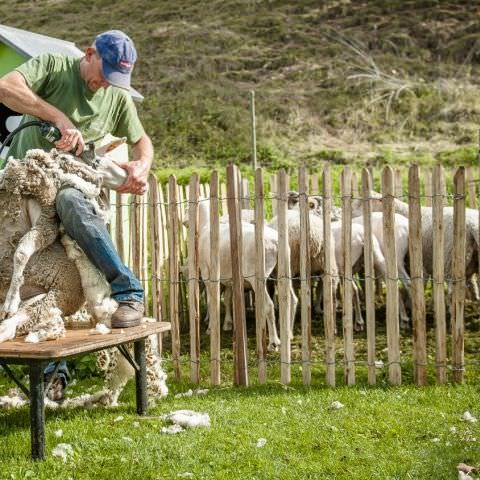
(472,290)
(37,238)
(404,318)
(119,371)
(293,309)
(227,301)
(317,307)
(8,328)
(335,286)
(359,323)
(156,377)
(405,279)
(269,312)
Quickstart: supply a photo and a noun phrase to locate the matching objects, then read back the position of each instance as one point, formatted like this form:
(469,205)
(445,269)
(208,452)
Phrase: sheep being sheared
(43,283)
(29,229)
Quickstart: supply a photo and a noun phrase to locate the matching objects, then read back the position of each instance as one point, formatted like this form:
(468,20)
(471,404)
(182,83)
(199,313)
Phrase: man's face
(93,74)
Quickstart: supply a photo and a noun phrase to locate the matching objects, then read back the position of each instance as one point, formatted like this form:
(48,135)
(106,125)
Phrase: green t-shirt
(56,78)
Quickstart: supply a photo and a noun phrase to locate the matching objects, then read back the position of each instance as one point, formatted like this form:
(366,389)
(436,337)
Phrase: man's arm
(16,95)
(139,167)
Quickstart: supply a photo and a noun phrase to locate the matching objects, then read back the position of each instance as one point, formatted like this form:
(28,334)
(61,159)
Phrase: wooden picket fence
(151,236)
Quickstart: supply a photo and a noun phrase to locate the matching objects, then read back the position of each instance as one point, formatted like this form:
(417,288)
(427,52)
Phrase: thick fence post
(164,234)
(369,275)
(156,251)
(329,309)
(182,249)
(163,220)
(284,280)
(193,274)
(458,272)
(144,208)
(305,277)
(173,248)
(260,277)
(393,334)
(416,274)
(135,234)
(349,355)
(438,275)
(213,286)
(119,199)
(240,341)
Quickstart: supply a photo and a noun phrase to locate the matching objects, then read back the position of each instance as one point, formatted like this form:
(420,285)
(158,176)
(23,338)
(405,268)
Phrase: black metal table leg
(37,411)
(141,377)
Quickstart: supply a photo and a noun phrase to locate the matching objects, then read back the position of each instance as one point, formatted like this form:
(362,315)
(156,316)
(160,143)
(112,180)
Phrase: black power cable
(49,132)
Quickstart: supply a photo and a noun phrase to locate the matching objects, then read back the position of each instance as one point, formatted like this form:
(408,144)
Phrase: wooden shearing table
(76,342)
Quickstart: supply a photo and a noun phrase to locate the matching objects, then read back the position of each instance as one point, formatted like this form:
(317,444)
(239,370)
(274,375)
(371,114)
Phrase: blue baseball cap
(118,55)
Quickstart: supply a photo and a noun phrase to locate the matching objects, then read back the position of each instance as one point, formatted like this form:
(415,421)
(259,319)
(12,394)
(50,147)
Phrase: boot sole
(126,323)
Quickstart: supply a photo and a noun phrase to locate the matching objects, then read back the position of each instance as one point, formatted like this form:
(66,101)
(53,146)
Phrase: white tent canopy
(31,44)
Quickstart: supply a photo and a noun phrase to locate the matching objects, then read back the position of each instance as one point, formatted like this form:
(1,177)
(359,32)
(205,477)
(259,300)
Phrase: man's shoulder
(60,59)
(120,93)
(50,62)
(120,96)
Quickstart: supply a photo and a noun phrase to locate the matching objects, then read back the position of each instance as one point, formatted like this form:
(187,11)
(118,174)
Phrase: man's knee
(67,201)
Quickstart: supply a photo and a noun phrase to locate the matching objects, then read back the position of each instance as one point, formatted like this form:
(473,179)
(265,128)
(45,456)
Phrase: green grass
(382,432)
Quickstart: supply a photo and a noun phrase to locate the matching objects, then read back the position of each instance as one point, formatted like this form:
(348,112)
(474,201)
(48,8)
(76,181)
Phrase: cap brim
(114,77)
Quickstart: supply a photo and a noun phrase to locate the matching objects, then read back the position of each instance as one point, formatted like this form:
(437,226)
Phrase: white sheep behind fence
(248,266)
(315,246)
(472,247)
(315,203)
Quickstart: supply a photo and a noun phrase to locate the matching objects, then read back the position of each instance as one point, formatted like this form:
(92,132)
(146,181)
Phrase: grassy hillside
(345,80)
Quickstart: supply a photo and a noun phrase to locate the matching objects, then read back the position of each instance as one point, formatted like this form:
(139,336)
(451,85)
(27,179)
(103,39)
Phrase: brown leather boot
(128,314)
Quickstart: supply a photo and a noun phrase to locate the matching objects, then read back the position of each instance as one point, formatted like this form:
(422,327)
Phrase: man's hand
(71,137)
(136,181)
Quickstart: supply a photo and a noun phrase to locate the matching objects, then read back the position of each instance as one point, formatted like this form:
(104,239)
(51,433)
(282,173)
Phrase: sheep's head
(293,199)
(375,204)
(315,202)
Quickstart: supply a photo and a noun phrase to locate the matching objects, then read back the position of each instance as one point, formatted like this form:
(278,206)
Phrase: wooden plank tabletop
(78,341)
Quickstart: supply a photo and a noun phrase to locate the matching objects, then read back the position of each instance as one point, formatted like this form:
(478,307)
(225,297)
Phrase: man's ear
(89,53)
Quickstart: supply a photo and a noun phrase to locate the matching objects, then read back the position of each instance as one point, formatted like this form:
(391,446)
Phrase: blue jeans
(62,372)
(88,230)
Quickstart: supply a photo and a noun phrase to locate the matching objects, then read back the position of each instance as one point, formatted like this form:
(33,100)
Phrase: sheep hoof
(8,329)
(9,308)
(359,327)
(405,324)
(5,313)
(273,346)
